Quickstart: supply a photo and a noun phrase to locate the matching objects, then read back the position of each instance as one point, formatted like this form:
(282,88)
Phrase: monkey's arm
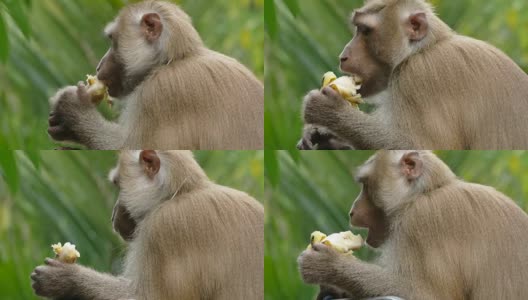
(72,281)
(333,292)
(74,118)
(361,130)
(363,279)
(324,266)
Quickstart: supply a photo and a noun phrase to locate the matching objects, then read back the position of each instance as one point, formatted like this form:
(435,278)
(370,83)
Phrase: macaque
(321,138)
(430,87)
(440,237)
(175,92)
(188,238)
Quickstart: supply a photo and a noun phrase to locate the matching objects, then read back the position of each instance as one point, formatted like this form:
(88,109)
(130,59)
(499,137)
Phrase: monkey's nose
(343,58)
(351,214)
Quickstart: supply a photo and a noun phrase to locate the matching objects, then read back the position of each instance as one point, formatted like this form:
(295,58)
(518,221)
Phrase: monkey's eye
(364,30)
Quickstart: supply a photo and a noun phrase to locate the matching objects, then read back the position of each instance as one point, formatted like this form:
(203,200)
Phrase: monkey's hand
(320,138)
(54,279)
(316,265)
(70,108)
(322,107)
(326,291)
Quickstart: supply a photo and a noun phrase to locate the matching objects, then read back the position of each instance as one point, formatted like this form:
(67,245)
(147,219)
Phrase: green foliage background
(304,39)
(48,44)
(52,196)
(314,190)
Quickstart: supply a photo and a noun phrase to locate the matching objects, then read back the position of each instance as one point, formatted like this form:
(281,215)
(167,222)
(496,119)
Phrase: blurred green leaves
(316,191)
(4,42)
(9,169)
(17,11)
(270,18)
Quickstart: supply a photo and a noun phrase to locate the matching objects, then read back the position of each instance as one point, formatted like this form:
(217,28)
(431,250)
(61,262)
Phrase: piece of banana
(346,86)
(97,90)
(67,253)
(316,237)
(344,242)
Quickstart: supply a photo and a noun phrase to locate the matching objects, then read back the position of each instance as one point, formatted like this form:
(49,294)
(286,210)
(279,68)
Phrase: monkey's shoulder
(213,201)
(209,64)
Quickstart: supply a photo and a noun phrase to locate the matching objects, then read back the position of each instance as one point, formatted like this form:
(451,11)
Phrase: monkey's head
(146,179)
(144,36)
(386,32)
(391,180)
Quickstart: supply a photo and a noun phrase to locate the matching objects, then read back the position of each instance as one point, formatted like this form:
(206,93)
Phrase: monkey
(188,238)
(175,92)
(430,87)
(439,236)
(321,138)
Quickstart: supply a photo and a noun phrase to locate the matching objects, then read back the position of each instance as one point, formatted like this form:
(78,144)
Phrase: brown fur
(177,94)
(448,239)
(193,239)
(445,91)
(230,91)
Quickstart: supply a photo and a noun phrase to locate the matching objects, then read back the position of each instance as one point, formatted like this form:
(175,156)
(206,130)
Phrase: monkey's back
(205,101)
(220,233)
(467,93)
(471,241)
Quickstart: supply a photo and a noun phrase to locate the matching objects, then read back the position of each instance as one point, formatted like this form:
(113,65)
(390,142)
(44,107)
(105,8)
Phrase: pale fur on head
(393,190)
(178,37)
(402,10)
(140,194)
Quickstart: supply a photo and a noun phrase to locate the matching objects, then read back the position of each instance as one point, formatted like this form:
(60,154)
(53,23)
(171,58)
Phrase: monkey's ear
(411,165)
(151,26)
(416,26)
(150,161)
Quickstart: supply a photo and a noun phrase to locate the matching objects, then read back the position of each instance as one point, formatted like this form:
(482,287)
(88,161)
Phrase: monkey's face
(139,189)
(356,59)
(122,221)
(111,71)
(134,52)
(367,215)
(383,38)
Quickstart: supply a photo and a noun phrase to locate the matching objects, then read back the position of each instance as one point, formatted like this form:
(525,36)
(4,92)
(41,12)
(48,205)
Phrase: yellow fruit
(97,90)
(316,237)
(343,242)
(66,253)
(346,86)
(328,77)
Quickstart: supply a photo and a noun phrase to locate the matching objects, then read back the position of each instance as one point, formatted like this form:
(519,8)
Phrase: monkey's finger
(51,262)
(57,133)
(299,145)
(82,93)
(307,144)
(319,247)
(53,120)
(304,144)
(331,93)
(34,275)
(36,287)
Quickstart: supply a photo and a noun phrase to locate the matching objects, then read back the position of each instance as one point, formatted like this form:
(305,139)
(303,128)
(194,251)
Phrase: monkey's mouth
(375,237)
(357,79)
(370,239)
